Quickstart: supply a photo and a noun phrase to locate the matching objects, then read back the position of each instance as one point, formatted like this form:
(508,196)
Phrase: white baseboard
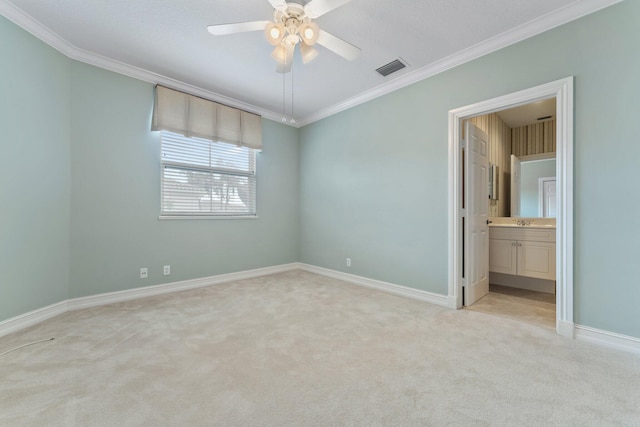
(607,339)
(31,318)
(567,329)
(522,282)
(391,288)
(166,288)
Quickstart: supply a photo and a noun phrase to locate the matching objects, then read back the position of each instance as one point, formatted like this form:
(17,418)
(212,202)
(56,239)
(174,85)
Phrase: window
(203,178)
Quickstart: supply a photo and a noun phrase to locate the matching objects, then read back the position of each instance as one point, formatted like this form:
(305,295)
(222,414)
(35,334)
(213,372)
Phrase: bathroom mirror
(533,186)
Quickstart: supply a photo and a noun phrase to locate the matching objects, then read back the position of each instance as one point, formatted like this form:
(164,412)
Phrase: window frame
(251,175)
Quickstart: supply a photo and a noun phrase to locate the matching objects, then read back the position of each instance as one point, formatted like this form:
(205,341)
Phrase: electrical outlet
(144,273)
(166,270)
(348,262)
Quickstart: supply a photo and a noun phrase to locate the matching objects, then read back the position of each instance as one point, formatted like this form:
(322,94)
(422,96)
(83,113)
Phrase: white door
(547,197)
(477,204)
(515,186)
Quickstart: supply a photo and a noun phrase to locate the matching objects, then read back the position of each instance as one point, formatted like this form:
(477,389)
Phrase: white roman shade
(192,116)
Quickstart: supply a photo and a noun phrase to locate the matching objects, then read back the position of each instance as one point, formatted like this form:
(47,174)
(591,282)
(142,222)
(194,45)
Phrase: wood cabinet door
(537,259)
(502,256)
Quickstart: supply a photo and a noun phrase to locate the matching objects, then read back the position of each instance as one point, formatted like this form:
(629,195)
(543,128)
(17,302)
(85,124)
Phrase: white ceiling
(167,42)
(529,113)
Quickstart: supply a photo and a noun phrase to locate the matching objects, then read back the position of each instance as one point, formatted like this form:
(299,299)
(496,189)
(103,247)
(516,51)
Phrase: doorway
(521,154)
(562,91)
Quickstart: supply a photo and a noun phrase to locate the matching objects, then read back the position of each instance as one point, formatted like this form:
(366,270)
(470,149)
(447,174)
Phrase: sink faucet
(523,222)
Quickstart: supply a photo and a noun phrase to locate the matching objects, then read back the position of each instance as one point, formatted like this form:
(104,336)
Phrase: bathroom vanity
(522,253)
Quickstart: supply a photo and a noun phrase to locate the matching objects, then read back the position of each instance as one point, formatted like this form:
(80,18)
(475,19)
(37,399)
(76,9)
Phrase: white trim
(541,182)
(607,339)
(172,217)
(390,288)
(31,318)
(566,329)
(37,29)
(562,90)
(167,288)
(36,316)
(523,282)
(14,324)
(544,23)
(536,157)
(31,25)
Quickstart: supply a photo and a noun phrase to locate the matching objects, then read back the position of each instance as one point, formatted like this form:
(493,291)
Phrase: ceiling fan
(292,24)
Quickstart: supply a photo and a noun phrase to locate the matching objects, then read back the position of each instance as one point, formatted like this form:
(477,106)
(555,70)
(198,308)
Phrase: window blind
(201,177)
(189,115)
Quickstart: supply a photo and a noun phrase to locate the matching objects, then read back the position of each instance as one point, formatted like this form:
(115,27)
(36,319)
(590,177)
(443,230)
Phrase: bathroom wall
(536,138)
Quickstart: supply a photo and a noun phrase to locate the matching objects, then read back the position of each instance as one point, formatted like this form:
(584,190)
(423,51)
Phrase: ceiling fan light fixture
(309,32)
(279,53)
(293,24)
(291,40)
(274,33)
(283,54)
(308,53)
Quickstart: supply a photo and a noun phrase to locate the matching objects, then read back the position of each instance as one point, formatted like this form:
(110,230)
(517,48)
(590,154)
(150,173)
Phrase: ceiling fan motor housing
(291,18)
(293,26)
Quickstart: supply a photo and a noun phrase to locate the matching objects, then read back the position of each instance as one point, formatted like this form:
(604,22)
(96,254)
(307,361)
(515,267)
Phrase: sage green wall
(374,178)
(34,173)
(80,187)
(115,170)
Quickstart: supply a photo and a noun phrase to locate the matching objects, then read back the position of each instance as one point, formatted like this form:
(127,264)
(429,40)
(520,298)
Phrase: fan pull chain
(293,120)
(284,111)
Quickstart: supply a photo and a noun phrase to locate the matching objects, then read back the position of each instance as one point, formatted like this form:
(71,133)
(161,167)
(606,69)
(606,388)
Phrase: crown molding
(27,23)
(37,29)
(154,78)
(544,23)
(559,17)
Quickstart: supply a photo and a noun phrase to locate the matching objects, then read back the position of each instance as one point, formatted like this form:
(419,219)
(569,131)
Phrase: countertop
(508,222)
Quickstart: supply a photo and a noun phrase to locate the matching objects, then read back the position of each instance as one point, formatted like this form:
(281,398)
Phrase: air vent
(391,67)
(544,118)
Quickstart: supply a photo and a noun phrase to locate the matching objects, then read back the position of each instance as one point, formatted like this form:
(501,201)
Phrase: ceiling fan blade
(337,45)
(279,4)
(316,8)
(240,27)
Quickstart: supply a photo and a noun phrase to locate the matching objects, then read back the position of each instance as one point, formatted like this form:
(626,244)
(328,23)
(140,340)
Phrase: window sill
(172,217)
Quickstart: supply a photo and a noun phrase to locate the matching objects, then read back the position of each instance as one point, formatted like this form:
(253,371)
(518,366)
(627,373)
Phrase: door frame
(562,91)
(541,197)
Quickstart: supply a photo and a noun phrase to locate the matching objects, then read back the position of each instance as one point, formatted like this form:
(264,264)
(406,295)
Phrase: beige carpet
(297,349)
